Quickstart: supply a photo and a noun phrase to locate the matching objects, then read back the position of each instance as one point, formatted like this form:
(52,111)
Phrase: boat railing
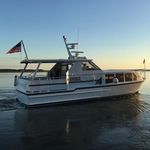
(89,76)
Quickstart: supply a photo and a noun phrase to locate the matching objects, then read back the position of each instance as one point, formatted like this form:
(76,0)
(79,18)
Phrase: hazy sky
(115,33)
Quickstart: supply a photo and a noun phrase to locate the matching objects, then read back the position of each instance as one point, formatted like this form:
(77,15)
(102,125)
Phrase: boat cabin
(77,69)
(80,70)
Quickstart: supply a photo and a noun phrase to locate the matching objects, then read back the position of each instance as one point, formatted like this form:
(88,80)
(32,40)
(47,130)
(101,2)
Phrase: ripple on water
(8,100)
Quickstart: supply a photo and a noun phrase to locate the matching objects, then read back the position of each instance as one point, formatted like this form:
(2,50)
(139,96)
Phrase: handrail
(87,74)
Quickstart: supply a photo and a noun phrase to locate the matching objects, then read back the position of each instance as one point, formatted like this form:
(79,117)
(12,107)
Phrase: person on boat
(115,79)
(67,77)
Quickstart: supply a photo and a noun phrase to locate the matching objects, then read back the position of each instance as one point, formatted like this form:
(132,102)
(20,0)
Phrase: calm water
(118,123)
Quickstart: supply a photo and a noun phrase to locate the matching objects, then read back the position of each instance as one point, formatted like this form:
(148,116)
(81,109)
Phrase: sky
(114,33)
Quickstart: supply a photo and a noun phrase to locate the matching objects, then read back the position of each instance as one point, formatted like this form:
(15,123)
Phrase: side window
(89,66)
(120,77)
(64,68)
(128,77)
(84,67)
(109,78)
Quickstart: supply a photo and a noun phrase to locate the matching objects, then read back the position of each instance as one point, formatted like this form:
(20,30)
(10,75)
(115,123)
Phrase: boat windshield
(89,66)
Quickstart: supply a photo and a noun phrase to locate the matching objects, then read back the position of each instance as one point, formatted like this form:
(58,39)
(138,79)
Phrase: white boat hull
(78,94)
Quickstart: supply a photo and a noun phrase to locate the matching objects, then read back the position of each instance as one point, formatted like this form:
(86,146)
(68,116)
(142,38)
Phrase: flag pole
(24,49)
(144,69)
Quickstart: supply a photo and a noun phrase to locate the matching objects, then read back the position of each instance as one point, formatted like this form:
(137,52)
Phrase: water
(116,123)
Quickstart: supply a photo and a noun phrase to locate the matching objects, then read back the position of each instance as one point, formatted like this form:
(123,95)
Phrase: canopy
(54,60)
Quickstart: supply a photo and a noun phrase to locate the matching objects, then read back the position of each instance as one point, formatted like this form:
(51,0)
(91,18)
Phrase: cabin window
(120,77)
(128,77)
(86,66)
(64,69)
(58,71)
(99,81)
(134,76)
(89,66)
(109,78)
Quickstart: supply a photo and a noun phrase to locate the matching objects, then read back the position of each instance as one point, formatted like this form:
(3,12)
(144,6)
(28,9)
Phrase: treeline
(19,70)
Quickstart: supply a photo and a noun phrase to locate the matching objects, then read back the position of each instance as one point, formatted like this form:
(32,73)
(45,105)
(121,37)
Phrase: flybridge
(71,59)
(55,60)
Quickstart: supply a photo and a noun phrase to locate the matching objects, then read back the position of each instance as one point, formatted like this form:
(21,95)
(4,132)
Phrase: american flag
(15,49)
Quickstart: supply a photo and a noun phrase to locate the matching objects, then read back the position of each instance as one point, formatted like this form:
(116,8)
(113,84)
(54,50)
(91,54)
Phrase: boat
(73,79)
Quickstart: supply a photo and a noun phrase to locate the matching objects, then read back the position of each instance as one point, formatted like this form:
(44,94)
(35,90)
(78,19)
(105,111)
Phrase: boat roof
(119,70)
(26,61)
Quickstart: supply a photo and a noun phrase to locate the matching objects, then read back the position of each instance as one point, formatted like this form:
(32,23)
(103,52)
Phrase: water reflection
(84,125)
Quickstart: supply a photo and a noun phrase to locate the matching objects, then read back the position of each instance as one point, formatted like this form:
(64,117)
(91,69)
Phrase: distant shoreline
(18,70)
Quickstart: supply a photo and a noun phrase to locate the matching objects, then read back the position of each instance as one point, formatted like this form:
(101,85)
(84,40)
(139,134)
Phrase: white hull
(79,94)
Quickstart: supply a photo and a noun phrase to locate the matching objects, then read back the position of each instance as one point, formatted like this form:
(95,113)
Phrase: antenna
(70,46)
(69,53)
(77,39)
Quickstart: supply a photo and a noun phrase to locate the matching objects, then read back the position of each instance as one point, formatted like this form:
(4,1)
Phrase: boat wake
(8,100)
(141,102)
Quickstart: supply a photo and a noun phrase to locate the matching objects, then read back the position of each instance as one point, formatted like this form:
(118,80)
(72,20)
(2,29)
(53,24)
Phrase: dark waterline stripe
(65,91)
(59,83)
